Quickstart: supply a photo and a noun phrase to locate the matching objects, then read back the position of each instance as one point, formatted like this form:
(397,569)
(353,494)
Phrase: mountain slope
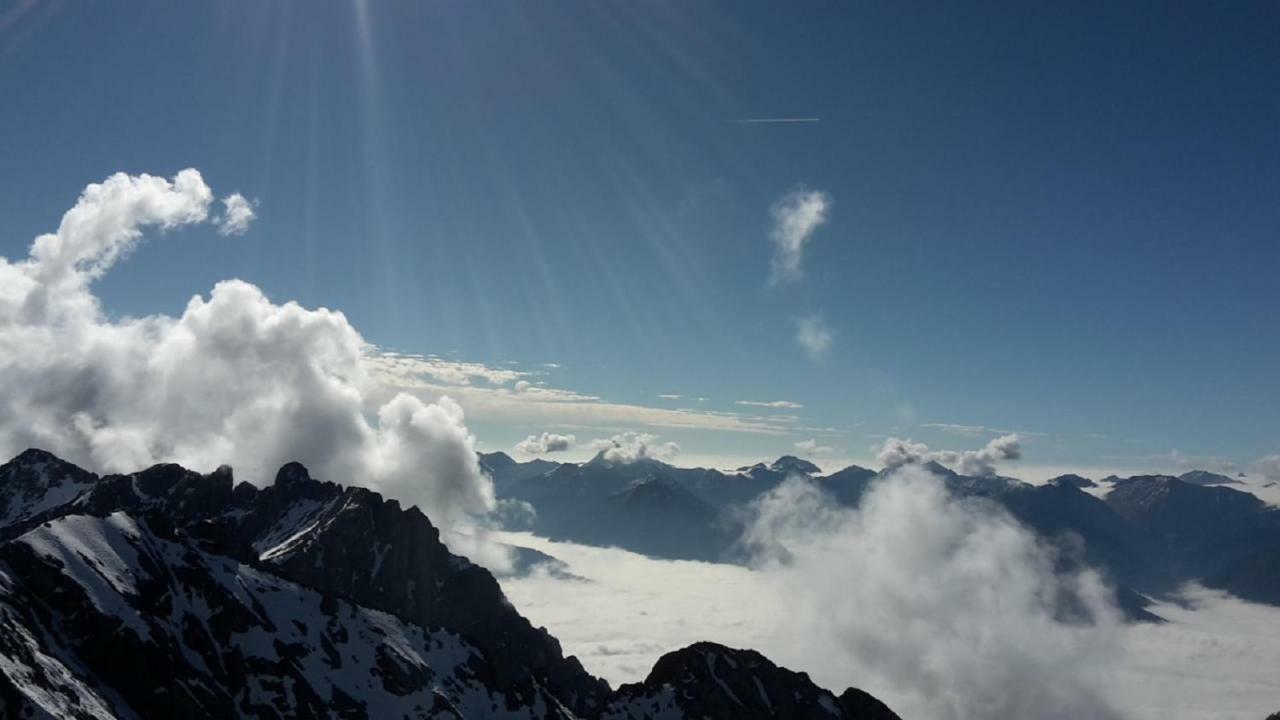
(131,618)
(351,543)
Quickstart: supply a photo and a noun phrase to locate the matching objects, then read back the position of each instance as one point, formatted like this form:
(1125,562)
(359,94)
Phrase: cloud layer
(234,379)
(795,218)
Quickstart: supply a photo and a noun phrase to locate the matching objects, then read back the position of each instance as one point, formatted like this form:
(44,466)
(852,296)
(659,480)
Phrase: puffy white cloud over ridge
(896,452)
(629,447)
(547,442)
(236,378)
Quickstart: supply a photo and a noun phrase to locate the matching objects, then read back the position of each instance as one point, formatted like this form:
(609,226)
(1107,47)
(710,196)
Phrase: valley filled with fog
(618,611)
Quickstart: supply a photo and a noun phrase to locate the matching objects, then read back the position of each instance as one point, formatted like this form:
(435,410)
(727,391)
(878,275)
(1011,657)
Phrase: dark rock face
(505,471)
(1071,480)
(1255,577)
(350,543)
(706,680)
(36,482)
(151,625)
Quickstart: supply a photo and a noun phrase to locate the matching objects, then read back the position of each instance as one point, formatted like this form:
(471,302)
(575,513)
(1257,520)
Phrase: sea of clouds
(944,608)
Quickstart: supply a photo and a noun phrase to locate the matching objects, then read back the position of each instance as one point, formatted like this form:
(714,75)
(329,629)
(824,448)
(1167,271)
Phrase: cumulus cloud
(895,452)
(795,218)
(236,215)
(814,336)
(945,607)
(777,404)
(236,378)
(811,447)
(545,443)
(631,446)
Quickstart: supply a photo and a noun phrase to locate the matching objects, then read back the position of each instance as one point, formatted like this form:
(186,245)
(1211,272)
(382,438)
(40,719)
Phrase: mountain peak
(291,473)
(791,464)
(34,456)
(1204,477)
(1073,480)
(710,680)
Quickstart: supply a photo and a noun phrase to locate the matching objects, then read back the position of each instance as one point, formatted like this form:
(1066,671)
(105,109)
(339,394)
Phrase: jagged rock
(351,543)
(706,680)
(125,617)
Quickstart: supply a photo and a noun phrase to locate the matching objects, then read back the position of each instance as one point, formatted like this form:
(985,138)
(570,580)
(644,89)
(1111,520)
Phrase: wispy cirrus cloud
(811,447)
(976,430)
(777,404)
(507,395)
(776,120)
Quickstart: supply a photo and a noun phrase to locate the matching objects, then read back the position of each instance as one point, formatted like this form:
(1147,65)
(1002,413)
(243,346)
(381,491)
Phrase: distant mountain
(505,470)
(647,505)
(1204,477)
(1149,535)
(168,593)
(1195,531)
(1072,480)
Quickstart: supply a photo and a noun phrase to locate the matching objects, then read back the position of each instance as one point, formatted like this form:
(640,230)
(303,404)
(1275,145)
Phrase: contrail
(752,121)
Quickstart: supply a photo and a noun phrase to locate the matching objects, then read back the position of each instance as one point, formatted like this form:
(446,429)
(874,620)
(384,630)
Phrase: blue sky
(1058,221)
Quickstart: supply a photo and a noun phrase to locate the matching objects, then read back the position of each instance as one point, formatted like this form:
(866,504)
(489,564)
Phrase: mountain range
(170,593)
(1149,534)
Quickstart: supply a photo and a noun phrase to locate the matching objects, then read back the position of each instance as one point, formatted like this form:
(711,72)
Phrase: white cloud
(811,447)
(407,367)
(531,404)
(545,443)
(795,217)
(947,607)
(236,216)
(957,429)
(895,452)
(778,404)
(1268,467)
(814,336)
(631,446)
(234,379)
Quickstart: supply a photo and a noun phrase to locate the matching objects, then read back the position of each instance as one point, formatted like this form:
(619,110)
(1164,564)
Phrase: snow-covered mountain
(168,593)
